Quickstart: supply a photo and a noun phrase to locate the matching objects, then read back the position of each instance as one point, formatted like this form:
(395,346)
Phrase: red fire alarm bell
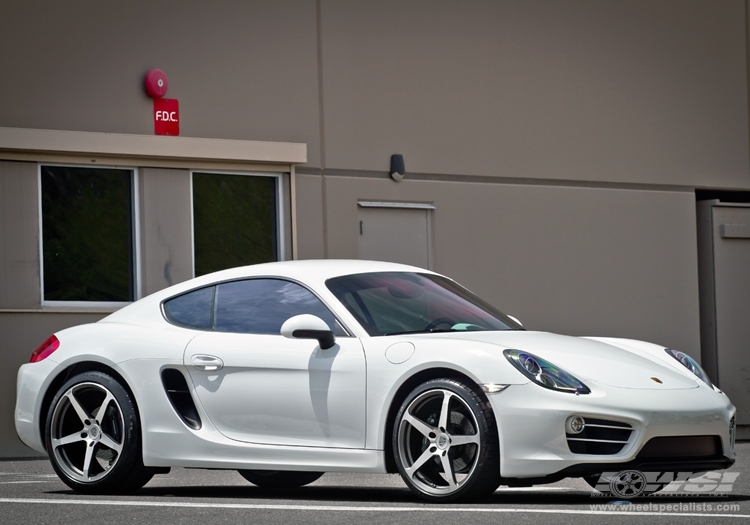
(156,83)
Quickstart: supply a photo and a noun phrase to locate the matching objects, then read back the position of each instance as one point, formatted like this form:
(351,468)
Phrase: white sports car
(287,370)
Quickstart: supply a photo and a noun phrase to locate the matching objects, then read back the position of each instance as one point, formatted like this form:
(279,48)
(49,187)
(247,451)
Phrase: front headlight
(545,373)
(691,364)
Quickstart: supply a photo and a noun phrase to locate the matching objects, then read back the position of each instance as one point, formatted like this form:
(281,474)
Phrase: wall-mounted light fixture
(397,167)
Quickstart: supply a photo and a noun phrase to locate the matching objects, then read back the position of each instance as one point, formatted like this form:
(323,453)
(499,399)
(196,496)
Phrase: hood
(587,359)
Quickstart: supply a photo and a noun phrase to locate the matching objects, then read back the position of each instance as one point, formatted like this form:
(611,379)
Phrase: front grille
(681,447)
(600,437)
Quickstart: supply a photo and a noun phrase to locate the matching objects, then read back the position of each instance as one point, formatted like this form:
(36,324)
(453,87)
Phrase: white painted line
(343,508)
(28,475)
(28,481)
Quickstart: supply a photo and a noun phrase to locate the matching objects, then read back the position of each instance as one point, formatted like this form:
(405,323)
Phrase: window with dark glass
(191,310)
(87,234)
(260,306)
(234,221)
(389,303)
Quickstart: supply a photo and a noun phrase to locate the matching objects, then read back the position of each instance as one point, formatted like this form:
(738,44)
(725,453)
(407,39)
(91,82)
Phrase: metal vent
(179,395)
(600,437)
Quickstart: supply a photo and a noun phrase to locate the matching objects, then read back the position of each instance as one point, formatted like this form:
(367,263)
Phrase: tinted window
(402,302)
(193,309)
(260,306)
(87,234)
(234,221)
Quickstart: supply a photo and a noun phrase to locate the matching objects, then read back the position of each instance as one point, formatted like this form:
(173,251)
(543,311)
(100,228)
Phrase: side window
(191,310)
(260,306)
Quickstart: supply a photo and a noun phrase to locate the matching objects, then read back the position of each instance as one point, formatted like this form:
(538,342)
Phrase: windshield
(390,303)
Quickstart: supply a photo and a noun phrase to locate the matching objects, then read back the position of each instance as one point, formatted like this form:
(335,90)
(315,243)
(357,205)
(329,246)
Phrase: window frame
(281,251)
(135,226)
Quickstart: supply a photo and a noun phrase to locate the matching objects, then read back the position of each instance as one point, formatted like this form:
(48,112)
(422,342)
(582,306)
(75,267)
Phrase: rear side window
(191,310)
(260,306)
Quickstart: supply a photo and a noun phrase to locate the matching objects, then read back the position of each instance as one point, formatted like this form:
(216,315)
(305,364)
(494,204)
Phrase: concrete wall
(577,260)
(629,91)
(19,235)
(166,228)
(240,70)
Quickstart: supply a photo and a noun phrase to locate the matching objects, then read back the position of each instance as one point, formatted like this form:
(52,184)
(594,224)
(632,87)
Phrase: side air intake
(177,391)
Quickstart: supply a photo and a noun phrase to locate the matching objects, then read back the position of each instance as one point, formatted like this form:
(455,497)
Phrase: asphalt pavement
(31,493)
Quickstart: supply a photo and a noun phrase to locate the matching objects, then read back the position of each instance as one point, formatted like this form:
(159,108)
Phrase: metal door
(724,246)
(395,232)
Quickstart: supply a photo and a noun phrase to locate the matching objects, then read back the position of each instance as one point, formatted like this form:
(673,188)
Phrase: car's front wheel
(445,442)
(279,479)
(93,436)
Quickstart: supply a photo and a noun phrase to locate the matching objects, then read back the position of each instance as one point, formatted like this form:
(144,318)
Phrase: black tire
(625,485)
(279,479)
(93,436)
(447,430)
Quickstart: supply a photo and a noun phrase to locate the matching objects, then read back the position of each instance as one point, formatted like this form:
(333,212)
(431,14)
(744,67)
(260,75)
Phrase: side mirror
(308,326)
(516,320)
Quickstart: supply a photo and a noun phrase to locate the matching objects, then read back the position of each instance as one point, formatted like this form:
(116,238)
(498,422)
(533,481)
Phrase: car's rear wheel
(279,479)
(445,442)
(93,436)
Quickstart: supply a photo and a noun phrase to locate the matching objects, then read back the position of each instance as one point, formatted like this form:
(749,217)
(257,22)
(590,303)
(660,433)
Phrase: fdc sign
(166,116)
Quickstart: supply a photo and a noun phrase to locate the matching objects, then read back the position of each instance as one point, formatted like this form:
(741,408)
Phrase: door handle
(209,363)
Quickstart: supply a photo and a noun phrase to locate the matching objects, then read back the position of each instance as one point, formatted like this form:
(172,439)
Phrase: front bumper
(534,446)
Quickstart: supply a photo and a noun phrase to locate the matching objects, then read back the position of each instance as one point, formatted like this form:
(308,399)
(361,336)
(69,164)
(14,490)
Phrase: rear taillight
(46,348)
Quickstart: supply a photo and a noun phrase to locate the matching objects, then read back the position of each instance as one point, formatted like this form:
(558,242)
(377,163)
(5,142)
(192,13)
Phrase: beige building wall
(636,91)
(19,235)
(578,260)
(166,228)
(240,70)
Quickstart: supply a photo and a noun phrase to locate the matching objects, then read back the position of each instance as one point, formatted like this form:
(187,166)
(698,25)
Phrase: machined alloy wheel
(93,436)
(445,442)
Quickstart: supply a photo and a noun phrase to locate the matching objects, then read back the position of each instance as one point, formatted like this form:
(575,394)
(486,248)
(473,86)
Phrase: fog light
(575,425)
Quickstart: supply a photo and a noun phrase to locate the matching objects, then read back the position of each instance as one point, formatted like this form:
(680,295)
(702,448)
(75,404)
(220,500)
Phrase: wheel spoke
(99,412)
(110,443)
(448,471)
(445,411)
(421,426)
(71,438)
(464,440)
(77,407)
(421,460)
(87,461)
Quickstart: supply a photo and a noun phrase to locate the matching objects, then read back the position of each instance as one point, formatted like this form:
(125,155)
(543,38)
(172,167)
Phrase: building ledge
(154,147)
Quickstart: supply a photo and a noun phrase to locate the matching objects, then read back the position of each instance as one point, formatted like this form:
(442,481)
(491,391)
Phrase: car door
(258,386)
